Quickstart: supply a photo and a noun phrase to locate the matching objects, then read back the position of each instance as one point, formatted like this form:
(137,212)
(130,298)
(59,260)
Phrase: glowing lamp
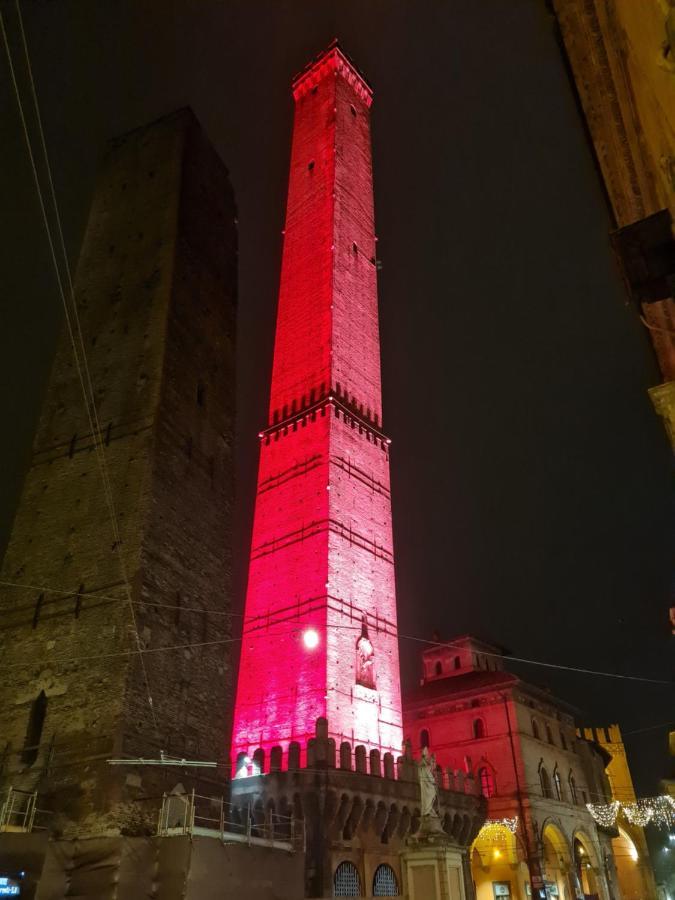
(497,854)
(310,638)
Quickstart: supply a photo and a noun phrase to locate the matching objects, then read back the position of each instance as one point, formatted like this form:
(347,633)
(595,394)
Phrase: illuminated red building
(320,636)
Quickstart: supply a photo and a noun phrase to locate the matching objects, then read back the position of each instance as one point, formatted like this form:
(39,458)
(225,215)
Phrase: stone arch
(276,759)
(346,755)
(494,858)
(587,865)
(466,830)
(353,819)
(293,756)
(404,822)
(368,815)
(259,761)
(556,855)
(391,824)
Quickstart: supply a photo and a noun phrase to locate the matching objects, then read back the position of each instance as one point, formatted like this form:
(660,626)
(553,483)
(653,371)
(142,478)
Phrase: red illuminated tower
(322,562)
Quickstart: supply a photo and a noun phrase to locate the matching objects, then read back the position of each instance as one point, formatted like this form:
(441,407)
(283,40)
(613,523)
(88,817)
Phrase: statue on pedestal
(426,771)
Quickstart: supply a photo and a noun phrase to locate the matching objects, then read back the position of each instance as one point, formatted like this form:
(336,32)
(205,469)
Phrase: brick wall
(322,549)
(156,294)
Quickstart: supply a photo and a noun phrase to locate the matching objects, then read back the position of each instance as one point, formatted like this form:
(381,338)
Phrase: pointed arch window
(557,783)
(545,780)
(573,789)
(487,781)
(535,729)
(478,729)
(549,734)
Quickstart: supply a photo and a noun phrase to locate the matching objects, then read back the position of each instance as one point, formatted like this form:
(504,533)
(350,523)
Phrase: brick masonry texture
(155,291)
(322,548)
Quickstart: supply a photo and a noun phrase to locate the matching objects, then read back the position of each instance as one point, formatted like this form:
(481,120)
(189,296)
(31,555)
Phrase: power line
(649,728)
(86,385)
(95,595)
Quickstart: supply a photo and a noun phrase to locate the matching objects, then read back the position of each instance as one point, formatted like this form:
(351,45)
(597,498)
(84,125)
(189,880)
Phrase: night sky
(531,478)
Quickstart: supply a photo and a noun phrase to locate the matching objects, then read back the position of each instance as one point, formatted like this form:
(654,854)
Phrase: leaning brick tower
(155,292)
(317,720)
(320,635)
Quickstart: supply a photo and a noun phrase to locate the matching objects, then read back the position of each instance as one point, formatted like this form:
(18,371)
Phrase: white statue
(428,786)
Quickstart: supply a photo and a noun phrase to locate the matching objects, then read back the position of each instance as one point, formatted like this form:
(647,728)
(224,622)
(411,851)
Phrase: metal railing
(19,811)
(195,814)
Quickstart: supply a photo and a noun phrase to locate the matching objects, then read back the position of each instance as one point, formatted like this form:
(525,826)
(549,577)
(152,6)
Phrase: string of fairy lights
(659,811)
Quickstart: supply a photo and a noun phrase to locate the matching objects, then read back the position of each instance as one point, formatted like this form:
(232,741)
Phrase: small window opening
(78,601)
(457,663)
(424,738)
(310,165)
(545,780)
(478,728)
(38,609)
(36,722)
(439,668)
(352,109)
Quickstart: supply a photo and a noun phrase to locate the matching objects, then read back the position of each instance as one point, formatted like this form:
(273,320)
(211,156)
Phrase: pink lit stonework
(320,635)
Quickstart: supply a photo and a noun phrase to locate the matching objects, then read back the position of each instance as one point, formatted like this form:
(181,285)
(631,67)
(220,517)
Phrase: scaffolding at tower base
(19,811)
(194,814)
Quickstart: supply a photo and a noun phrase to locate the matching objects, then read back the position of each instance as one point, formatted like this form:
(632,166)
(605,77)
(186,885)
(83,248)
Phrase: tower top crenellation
(332,59)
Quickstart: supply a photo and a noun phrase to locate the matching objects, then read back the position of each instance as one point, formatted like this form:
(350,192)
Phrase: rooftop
(332,59)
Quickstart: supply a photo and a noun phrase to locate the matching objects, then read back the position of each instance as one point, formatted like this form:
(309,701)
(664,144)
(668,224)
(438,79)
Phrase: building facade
(622,58)
(317,720)
(631,854)
(521,746)
(121,542)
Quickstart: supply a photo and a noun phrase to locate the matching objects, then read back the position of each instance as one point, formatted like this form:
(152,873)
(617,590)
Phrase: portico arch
(587,866)
(557,868)
(494,861)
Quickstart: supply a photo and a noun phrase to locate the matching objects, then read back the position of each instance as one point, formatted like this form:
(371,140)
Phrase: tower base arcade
(361,816)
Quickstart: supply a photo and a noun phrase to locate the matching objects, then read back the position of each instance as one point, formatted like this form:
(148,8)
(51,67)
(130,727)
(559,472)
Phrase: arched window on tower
(549,734)
(486,781)
(478,728)
(346,881)
(424,738)
(557,783)
(36,723)
(535,729)
(439,668)
(573,789)
(545,780)
(385,883)
(457,663)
